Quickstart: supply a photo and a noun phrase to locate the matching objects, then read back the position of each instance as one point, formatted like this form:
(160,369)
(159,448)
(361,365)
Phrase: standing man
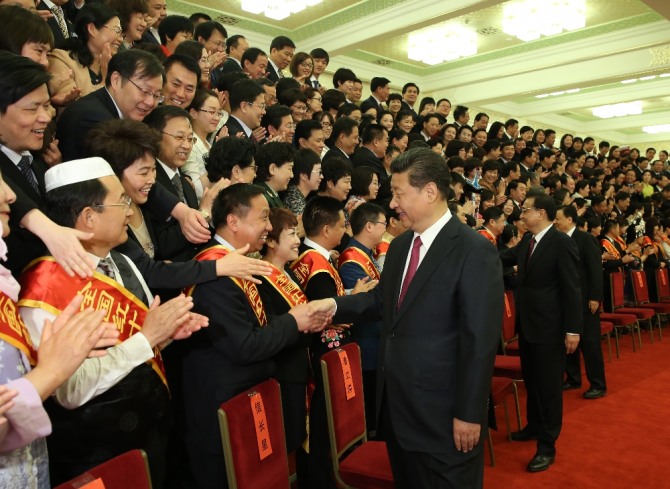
(591,268)
(440,294)
(548,304)
(235,47)
(410,92)
(281,53)
(321,60)
(381,89)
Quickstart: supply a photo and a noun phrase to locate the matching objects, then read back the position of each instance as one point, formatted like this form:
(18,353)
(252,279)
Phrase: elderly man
(120,401)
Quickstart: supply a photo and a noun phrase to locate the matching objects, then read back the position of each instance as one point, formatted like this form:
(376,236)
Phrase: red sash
(610,248)
(488,235)
(621,242)
(312,262)
(360,258)
(46,286)
(13,330)
(381,249)
(286,287)
(249,288)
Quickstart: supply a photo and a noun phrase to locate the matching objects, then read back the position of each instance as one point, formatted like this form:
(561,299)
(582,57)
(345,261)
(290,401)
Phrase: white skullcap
(76,171)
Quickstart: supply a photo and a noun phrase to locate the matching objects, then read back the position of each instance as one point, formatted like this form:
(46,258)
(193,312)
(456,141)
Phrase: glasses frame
(127,203)
(181,139)
(157,98)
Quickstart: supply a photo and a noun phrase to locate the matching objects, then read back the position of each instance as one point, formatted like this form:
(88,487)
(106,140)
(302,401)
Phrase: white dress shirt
(427,238)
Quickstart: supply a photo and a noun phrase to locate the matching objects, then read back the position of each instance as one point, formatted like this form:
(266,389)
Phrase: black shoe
(540,463)
(595,393)
(523,435)
(568,386)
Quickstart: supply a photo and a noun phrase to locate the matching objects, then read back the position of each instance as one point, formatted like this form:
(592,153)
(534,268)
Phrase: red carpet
(619,441)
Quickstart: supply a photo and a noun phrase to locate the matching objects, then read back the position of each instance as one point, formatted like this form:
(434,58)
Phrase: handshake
(314,316)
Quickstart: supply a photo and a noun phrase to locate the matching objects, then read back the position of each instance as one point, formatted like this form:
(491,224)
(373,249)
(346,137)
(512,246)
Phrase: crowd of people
(183,206)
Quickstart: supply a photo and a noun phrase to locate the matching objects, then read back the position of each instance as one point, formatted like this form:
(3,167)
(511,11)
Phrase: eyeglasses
(260,106)
(526,209)
(127,201)
(381,222)
(291,126)
(213,113)
(307,65)
(218,44)
(180,139)
(299,108)
(117,30)
(319,99)
(253,167)
(318,172)
(158,97)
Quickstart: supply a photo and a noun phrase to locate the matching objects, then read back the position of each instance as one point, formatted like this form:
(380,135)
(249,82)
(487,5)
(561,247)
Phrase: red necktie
(530,249)
(411,268)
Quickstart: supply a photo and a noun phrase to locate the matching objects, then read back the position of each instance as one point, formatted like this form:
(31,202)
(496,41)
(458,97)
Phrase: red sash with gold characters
(360,258)
(312,262)
(45,285)
(288,289)
(249,288)
(381,249)
(610,248)
(621,242)
(488,235)
(13,330)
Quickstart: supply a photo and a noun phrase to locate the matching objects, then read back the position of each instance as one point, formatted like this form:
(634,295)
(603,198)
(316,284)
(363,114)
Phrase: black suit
(548,305)
(150,38)
(365,157)
(437,352)
(233,354)
(272,73)
(375,104)
(405,106)
(234,127)
(53,23)
(590,265)
(231,66)
(334,153)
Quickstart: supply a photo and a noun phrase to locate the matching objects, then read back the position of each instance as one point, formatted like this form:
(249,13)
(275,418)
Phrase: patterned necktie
(280,74)
(60,20)
(176,181)
(316,84)
(530,249)
(106,268)
(411,268)
(27,171)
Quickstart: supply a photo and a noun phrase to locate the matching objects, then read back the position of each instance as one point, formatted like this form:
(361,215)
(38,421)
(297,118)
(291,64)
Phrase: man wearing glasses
(247,105)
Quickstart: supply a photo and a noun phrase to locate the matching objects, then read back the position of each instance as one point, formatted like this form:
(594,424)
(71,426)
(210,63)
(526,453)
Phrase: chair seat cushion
(658,307)
(507,366)
(368,467)
(618,319)
(638,312)
(606,327)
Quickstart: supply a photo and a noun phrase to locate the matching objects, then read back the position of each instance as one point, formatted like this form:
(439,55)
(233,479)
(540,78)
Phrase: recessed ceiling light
(618,110)
(657,129)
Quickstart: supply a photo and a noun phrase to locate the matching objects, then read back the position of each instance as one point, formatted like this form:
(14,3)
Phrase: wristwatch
(205,214)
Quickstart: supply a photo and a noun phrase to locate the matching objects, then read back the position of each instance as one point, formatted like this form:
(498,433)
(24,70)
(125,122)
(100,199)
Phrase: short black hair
(233,41)
(423,166)
(492,213)
(545,203)
(134,62)
(334,169)
(342,75)
(272,152)
(361,178)
(363,214)
(319,53)
(244,91)
(159,117)
(273,115)
(332,99)
(205,30)
(187,62)
(26,28)
(343,125)
(460,111)
(319,212)
(569,211)
(281,42)
(225,154)
(408,85)
(64,204)
(18,77)
(373,132)
(251,55)
(172,25)
(303,164)
(510,123)
(304,128)
(196,16)
(236,200)
(291,96)
(378,82)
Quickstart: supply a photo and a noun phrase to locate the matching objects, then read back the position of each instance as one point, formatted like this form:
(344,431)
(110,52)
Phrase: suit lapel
(163,178)
(541,247)
(11,171)
(443,245)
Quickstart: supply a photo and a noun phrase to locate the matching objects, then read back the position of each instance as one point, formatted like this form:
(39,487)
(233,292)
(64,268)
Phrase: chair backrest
(252,433)
(616,287)
(509,318)
(662,284)
(342,378)
(128,470)
(640,289)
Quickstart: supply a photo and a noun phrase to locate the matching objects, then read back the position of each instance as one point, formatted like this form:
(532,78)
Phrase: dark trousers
(422,470)
(543,366)
(369,394)
(209,469)
(590,347)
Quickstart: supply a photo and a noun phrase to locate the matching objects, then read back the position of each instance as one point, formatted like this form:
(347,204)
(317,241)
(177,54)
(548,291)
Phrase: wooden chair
(501,389)
(246,434)
(367,464)
(641,294)
(509,339)
(128,470)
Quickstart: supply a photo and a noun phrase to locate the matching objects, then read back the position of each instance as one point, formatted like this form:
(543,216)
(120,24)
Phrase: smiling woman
(133,15)
(99,36)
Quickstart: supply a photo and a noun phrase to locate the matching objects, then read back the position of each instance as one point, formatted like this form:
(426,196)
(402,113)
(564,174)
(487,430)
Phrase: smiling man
(181,80)
(281,53)
(247,103)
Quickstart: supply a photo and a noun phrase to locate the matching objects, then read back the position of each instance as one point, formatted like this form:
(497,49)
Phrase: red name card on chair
(261,425)
(346,374)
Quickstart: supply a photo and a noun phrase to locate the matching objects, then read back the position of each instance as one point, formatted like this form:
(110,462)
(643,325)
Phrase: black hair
(161,115)
(244,91)
(319,212)
(225,154)
(64,204)
(172,25)
(134,62)
(363,214)
(361,178)
(303,164)
(236,200)
(423,166)
(272,152)
(18,77)
(205,30)
(281,42)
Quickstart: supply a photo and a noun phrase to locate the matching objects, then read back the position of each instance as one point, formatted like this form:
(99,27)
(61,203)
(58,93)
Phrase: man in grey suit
(440,298)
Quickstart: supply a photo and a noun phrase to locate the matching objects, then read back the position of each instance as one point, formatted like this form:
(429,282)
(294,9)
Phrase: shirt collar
(355,243)
(541,234)
(115,104)
(247,129)
(277,69)
(14,156)
(571,232)
(429,235)
(170,172)
(223,242)
(317,247)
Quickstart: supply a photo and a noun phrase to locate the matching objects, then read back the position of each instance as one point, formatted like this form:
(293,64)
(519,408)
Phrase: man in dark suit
(440,297)
(345,137)
(59,23)
(237,351)
(371,153)
(235,47)
(158,12)
(247,105)
(549,316)
(410,92)
(381,89)
(281,53)
(590,265)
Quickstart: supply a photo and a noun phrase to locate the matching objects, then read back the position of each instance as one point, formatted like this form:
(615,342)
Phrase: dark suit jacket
(231,66)
(335,152)
(590,266)
(405,106)
(437,350)
(233,354)
(272,73)
(365,157)
(374,102)
(548,297)
(170,242)
(234,127)
(149,37)
(53,24)
(273,200)
(23,245)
